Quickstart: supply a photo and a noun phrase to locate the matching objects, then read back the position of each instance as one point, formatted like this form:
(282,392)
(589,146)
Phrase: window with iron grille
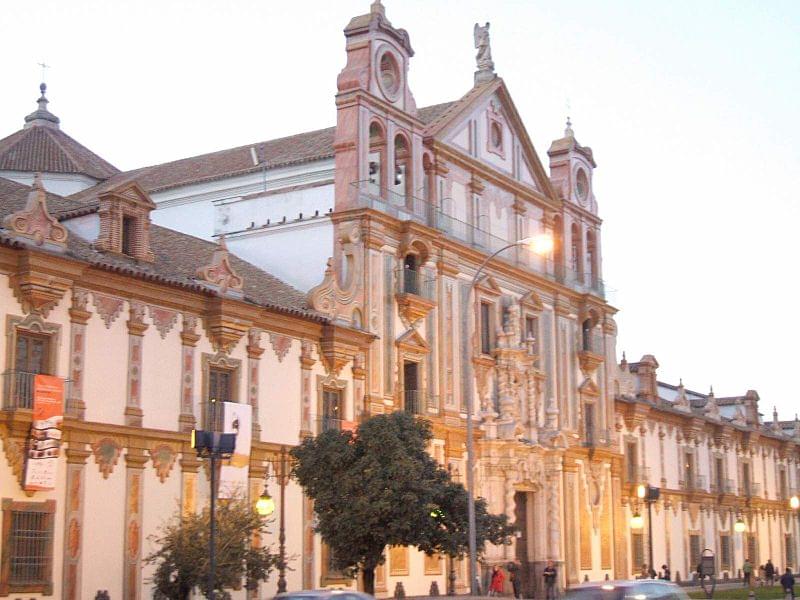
(31,357)
(637,550)
(486,328)
(630,461)
(752,549)
(331,409)
(695,550)
(724,552)
(789,545)
(221,386)
(27,547)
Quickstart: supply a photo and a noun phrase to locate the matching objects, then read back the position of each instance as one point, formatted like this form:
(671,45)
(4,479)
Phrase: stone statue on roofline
(483,59)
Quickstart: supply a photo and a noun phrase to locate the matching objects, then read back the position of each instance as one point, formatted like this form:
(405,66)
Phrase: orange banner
(45,439)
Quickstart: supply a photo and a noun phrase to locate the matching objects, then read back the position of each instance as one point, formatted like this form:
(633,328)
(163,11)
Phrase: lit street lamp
(540,244)
(265,506)
(648,494)
(794,504)
(637,521)
(739,526)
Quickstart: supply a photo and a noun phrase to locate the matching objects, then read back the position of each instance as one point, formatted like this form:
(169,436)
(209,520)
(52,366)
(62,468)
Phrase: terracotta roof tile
(177,257)
(50,150)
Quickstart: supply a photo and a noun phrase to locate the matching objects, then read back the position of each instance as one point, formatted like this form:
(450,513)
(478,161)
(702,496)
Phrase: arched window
(376,174)
(558,246)
(402,181)
(591,258)
(411,274)
(586,335)
(575,251)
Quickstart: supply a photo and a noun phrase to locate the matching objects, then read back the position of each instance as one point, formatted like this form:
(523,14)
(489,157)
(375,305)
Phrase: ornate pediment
(412,341)
(589,387)
(34,222)
(219,273)
(488,286)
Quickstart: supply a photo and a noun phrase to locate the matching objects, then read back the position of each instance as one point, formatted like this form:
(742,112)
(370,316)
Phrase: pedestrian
(515,583)
(496,584)
(666,573)
(747,570)
(550,574)
(787,583)
(769,572)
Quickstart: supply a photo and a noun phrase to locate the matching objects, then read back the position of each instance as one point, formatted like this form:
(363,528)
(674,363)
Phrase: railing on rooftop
(409,208)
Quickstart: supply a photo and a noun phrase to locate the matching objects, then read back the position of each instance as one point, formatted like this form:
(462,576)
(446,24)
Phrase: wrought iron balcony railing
(409,208)
(724,486)
(409,281)
(635,474)
(750,490)
(595,438)
(693,483)
(329,424)
(18,391)
(414,402)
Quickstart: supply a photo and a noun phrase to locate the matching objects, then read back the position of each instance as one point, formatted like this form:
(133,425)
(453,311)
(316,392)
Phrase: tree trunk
(369,580)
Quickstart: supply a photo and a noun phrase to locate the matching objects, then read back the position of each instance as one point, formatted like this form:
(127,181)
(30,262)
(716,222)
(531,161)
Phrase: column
(620,525)
(136,329)
(76,454)
(306,362)
(553,476)
(189,339)
(254,352)
(78,317)
(135,460)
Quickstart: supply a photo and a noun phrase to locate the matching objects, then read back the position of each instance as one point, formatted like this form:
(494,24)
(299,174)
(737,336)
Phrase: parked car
(324,595)
(638,589)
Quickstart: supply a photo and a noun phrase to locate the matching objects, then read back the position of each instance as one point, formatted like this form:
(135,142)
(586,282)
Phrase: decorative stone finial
(377,8)
(35,221)
(41,116)
(568,131)
(483,59)
(711,407)
(219,272)
(681,400)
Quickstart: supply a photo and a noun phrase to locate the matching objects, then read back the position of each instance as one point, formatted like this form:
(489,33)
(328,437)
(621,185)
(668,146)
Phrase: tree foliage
(182,558)
(379,487)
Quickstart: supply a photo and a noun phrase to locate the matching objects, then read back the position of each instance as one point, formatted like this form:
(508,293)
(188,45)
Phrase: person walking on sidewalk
(787,583)
(496,585)
(769,572)
(550,574)
(747,570)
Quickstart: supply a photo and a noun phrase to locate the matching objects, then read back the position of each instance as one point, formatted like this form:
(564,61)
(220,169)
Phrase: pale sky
(691,108)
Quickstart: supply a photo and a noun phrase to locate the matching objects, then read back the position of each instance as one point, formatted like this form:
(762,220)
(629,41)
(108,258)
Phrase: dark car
(639,589)
(324,595)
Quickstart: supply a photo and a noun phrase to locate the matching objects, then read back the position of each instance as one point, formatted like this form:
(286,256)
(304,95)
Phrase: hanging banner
(45,439)
(238,419)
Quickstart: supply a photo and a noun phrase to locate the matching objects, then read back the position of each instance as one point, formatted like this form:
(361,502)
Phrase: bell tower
(378,139)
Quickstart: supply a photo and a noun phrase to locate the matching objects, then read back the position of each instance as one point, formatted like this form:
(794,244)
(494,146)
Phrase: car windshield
(640,591)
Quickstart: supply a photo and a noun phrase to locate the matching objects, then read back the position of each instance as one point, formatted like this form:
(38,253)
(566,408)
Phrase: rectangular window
(719,473)
(588,424)
(789,545)
(695,550)
(689,478)
(630,462)
(31,357)
(724,552)
(637,551)
(128,235)
(782,485)
(220,389)
(746,479)
(752,549)
(27,547)
(412,395)
(486,328)
(331,410)
(531,333)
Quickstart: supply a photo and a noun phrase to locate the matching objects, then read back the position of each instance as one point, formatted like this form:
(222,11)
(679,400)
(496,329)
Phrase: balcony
(330,424)
(590,353)
(637,474)
(724,486)
(364,194)
(415,294)
(751,490)
(693,483)
(18,388)
(417,402)
(596,438)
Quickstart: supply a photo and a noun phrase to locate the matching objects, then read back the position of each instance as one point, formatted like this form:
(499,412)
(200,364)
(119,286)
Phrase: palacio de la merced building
(326,277)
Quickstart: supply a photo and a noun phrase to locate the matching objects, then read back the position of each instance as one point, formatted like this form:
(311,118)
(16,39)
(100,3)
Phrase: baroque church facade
(342,273)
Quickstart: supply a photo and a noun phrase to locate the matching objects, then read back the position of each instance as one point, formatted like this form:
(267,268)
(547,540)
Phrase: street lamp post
(794,504)
(541,244)
(214,446)
(649,494)
(265,506)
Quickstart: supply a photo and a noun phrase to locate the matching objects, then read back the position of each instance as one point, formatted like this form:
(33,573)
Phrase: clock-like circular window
(582,186)
(389,75)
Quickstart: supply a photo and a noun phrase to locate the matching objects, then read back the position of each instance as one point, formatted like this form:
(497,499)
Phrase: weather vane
(44,66)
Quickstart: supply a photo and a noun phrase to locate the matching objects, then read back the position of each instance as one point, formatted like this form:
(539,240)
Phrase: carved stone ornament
(35,222)
(163,456)
(219,272)
(108,307)
(333,298)
(281,344)
(106,454)
(164,319)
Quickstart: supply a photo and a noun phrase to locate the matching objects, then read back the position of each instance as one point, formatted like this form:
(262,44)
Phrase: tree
(374,488)
(182,557)
(450,533)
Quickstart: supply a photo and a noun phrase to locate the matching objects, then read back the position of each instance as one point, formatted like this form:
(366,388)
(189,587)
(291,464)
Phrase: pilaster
(189,339)
(76,454)
(135,460)
(136,329)
(78,316)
